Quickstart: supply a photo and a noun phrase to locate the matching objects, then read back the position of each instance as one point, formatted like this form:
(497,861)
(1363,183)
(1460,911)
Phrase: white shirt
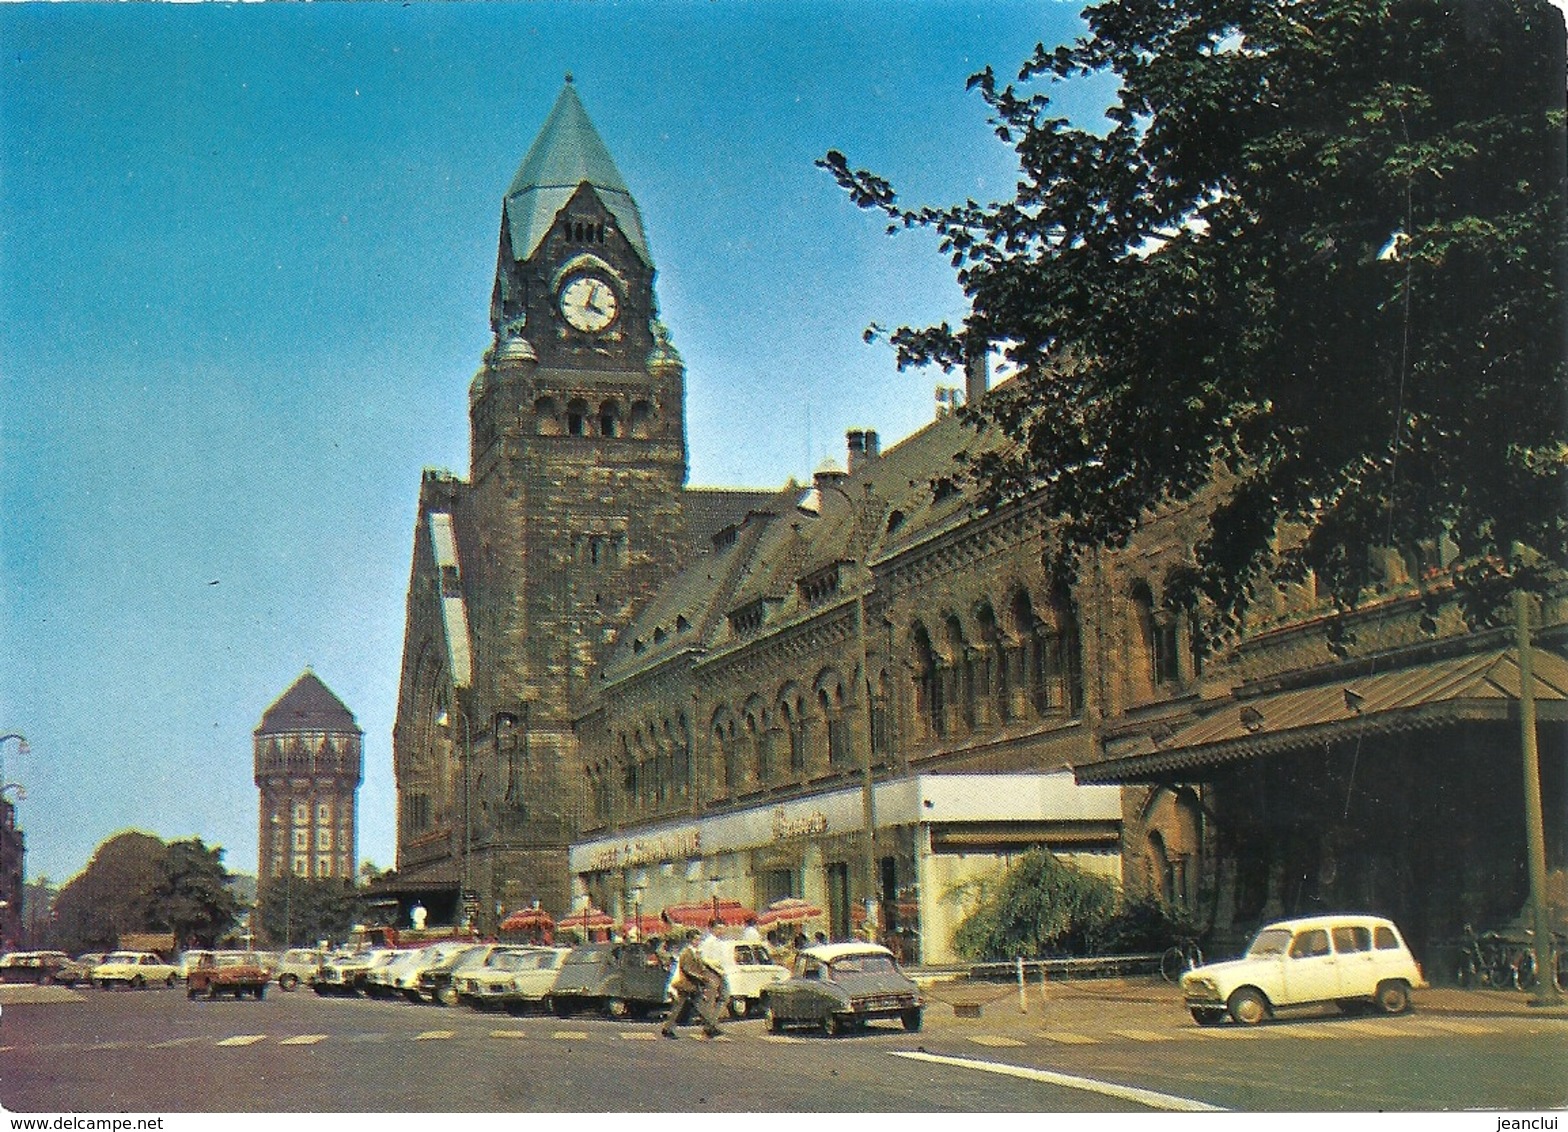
(712,951)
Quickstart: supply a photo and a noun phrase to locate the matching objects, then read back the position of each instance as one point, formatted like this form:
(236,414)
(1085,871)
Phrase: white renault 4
(1348,960)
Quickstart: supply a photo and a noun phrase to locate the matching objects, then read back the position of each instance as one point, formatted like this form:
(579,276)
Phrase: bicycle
(1180,958)
(1486,960)
(1524,967)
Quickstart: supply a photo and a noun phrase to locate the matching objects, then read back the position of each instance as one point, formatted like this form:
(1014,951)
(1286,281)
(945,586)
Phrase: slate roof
(885,507)
(710,509)
(567,152)
(307,706)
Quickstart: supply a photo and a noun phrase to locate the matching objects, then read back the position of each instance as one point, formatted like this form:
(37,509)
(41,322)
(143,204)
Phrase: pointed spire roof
(307,706)
(567,152)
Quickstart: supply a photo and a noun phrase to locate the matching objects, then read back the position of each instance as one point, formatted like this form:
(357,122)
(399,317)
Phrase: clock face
(588,303)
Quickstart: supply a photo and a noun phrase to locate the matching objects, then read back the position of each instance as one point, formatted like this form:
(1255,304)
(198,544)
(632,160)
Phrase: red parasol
(697,913)
(589,921)
(528,919)
(645,927)
(790,910)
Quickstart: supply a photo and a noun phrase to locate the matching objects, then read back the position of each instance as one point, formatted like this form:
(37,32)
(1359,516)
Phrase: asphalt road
(154,1051)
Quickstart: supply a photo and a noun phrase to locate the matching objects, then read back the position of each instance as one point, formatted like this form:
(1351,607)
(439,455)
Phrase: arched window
(830,702)
(1153,659)
(760,734)
(577,417)
(994,686)
(961,679)
(929,700)
(793,707)
(610,419)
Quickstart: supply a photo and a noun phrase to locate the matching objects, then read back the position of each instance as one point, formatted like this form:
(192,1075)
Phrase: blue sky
(245,264)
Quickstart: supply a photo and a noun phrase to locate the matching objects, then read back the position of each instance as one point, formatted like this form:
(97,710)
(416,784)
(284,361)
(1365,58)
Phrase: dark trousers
(702,998)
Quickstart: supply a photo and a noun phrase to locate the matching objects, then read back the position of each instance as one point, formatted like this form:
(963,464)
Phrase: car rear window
(1385,939)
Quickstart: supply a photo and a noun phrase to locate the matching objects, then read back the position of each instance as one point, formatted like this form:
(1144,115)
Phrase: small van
(1352,961)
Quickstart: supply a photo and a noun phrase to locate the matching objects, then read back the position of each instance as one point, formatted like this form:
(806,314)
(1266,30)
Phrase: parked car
(837,986)
(188,959)
(1350,960)
(405,976)
(134,969)
(227,972)
(622,979)
(42,967)
(747,969)
(438,982)
(344,972)
(296,966)
(512,980)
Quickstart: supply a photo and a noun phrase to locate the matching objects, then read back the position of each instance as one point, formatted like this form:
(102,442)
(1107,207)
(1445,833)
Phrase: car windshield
(121,957)
(863,965)
(1269,942)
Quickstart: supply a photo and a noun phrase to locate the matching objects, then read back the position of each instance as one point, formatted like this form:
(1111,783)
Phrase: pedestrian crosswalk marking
(303,1040)
(507,1034)
(1061,1037)
(434,1035)
(579,1034)
(1144,1035)
(993,1040)
(242,1040)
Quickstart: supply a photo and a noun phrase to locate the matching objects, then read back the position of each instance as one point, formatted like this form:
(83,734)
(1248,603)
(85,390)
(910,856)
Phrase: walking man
(692,985)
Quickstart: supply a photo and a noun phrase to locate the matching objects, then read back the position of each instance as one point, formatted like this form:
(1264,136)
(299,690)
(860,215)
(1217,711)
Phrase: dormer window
(942,488)
(637,645)
(748,618)
(725,537)
(819,585)
(681,624)
(658,635)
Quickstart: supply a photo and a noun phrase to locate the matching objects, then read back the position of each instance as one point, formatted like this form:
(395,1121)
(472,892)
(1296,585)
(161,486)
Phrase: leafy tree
(1315,256)
(192,899)
(113,895)
(1043,907)
(301,910)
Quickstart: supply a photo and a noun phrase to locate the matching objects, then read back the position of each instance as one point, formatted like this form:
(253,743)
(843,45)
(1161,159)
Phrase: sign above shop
(646,851)
(805,825)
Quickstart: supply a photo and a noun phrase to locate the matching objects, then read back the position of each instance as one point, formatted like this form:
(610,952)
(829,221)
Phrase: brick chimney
(977,372)
(863,447)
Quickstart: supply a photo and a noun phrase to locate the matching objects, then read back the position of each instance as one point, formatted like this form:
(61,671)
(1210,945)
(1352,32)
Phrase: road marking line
(303,1040)
(580,1034)
(1447,1027)
(1148,1097)
(1144,1035)
(777,1038)
(435,1035)
(993,1040)
(1061,1037)
(639,1036)
(242,1040)
(507,1034)
(172,1043)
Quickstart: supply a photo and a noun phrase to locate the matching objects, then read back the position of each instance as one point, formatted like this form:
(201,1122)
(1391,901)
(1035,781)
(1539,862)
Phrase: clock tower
(570,516)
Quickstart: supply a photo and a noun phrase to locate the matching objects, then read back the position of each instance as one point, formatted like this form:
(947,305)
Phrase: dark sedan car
(841,985)
(625,980)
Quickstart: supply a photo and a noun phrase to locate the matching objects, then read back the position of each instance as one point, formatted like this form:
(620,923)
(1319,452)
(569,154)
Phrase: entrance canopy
(1481,686)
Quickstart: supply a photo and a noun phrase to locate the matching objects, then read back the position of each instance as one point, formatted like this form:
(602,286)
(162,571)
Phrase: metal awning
(1476,687)
(438,877)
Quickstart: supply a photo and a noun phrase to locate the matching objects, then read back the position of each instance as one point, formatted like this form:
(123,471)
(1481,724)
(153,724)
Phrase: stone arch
(926,663)
(577,417)
(1172,822)
(792,712)
(547,417)
(641,421)
(727,766)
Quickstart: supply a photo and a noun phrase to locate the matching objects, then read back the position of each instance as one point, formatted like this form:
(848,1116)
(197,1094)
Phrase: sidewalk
(1084,1001)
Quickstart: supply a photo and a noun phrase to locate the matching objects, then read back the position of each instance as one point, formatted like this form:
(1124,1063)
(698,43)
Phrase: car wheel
(775,1023)
(1393,996)
(617,1008)
(138,983)
(832,1025)
(446,996)
(740,1006)
(1208,1015)
(261,991)
(288,982)
(169,982)
(1248,1006)
(912,1019)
